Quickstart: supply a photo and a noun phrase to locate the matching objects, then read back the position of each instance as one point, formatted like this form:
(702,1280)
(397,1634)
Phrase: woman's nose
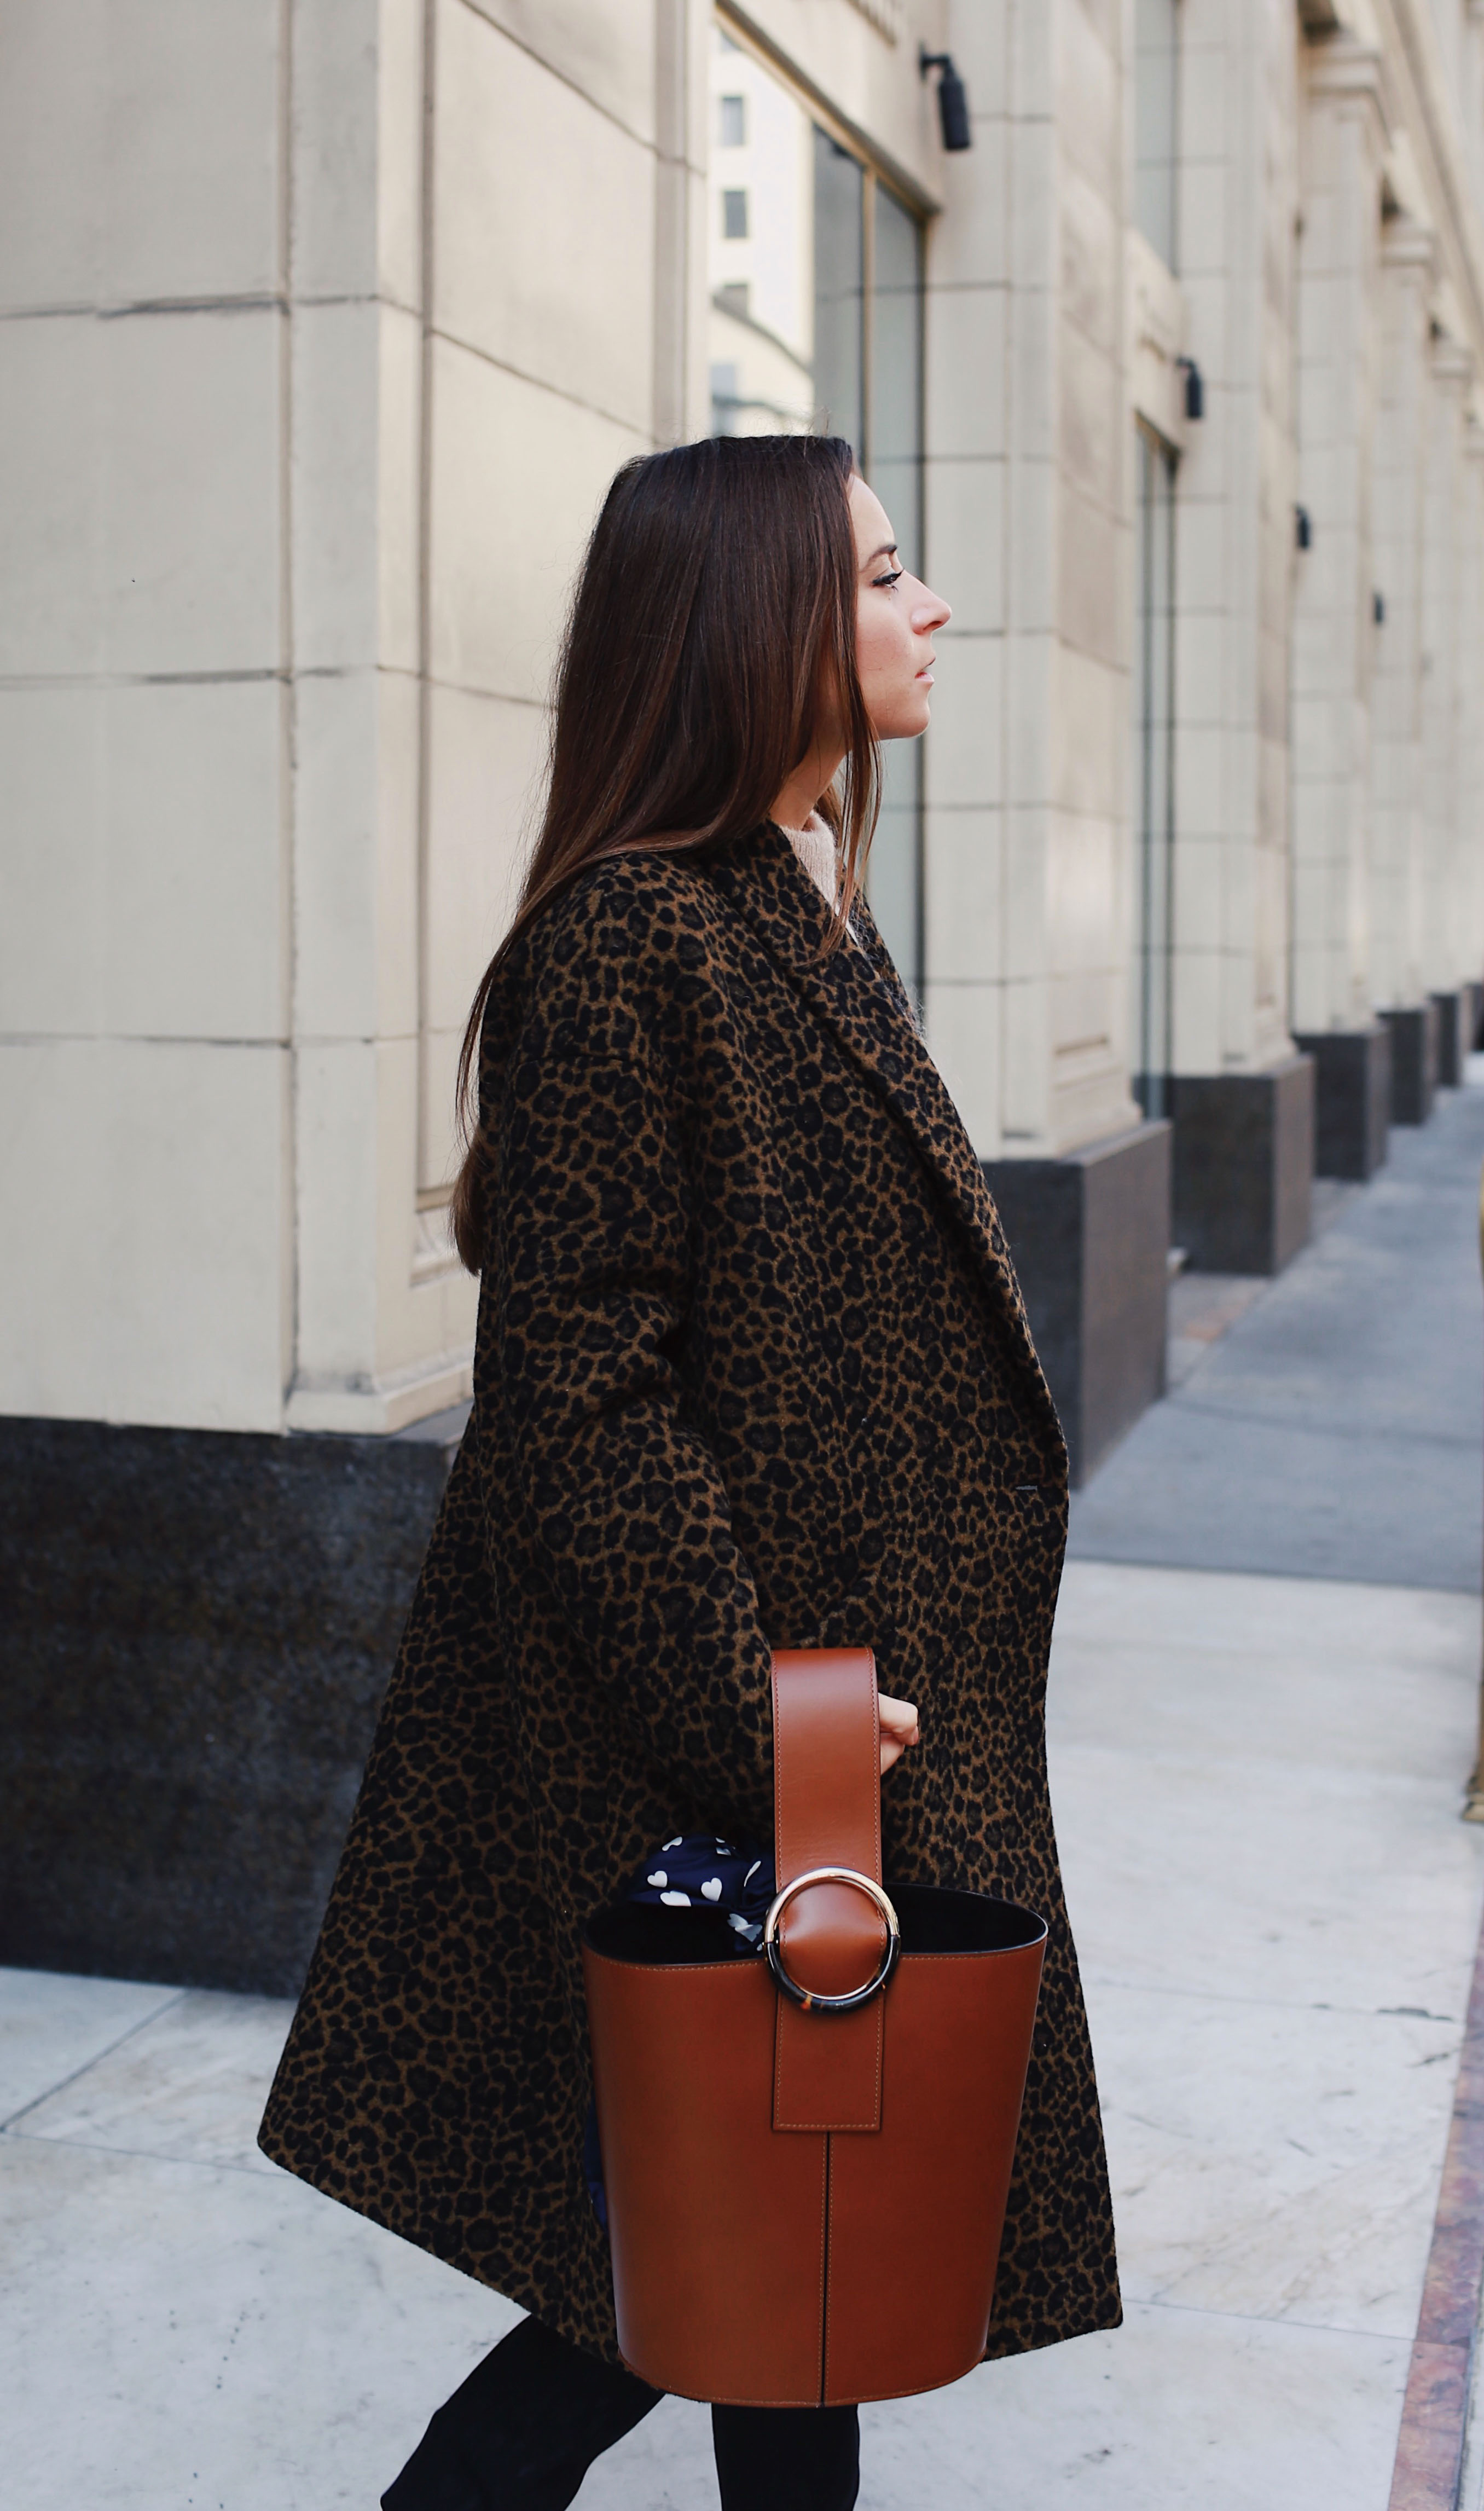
(931,611)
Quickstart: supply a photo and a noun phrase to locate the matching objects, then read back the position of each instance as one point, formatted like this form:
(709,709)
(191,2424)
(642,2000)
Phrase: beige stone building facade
(327,324)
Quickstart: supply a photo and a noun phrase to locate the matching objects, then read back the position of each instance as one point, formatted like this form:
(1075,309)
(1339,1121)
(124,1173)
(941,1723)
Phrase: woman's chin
(906,721)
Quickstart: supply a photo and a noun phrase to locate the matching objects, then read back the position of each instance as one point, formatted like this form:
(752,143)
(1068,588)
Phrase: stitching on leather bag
(881,2003)
(777,1784)
(778,1871)
(824,2196)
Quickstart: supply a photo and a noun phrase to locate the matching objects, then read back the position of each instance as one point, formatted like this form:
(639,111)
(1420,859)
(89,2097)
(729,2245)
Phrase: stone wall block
(519,473)
(193,775)
(54,930)
(965,372)
(965,1022)
(53,379)
(191,168)
(163,1297)
(965,545)
(550,276)
(964,887)
(965,764)
(604,49)
(193,559)
(1089,1237)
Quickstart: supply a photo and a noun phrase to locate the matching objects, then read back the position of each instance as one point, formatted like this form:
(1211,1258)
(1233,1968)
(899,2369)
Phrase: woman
(752,1371)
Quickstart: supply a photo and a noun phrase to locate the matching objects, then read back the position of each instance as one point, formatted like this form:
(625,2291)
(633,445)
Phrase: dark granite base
(1243,1169)
(197,1630)
(1452,1038)
(1472,998)
(1353,1099)
(1413,1062)
(1090,1234)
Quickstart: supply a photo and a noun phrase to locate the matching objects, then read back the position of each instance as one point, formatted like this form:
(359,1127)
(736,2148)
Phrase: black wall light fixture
(952,98)
(1379,608)
(1194,388)
(1303,528)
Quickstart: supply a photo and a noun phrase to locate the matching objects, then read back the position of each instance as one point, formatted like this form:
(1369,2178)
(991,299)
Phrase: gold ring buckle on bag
(855,1996)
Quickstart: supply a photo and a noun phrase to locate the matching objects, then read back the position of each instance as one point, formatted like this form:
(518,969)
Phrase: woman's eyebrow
(887,548)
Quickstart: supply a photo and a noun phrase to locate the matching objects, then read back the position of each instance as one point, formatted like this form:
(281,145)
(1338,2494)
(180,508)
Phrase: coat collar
(861,998)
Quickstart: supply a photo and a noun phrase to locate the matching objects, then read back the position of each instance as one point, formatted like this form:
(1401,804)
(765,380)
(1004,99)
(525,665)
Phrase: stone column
(1027,470)
(1335,622)
(1027,769)
(1442,697)
(1469,930)
(1404,414)
(1403,431)
(1242,1098)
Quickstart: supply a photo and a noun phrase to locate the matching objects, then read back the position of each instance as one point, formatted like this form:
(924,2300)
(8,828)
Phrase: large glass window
(816,326)
(1156,122)
(1154,713)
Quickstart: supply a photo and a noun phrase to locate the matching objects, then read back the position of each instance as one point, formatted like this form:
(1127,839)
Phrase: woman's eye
(889,580)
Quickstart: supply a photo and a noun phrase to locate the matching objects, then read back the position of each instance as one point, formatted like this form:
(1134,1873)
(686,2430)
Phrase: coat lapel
(861,1000)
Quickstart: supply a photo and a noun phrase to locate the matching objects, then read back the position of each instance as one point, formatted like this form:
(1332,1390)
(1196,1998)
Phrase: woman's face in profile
(895,620)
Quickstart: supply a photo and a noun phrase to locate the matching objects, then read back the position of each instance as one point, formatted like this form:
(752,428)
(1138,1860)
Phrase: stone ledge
(1243,1171)
(1089,1235)
(1452,1046)
(1413,1062)
(200,1630)
(1353,1099)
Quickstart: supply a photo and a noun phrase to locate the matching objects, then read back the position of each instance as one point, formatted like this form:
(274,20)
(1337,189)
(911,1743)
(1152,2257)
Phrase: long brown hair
(713,617)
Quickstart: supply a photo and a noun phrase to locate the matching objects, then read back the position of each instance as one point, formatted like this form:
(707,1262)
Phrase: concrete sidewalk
(1257,1780)
(1334,1430)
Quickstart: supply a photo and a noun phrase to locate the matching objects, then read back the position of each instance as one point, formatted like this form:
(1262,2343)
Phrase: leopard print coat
(751,1371)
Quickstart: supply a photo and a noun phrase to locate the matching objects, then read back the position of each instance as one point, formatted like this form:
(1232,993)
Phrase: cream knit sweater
(815,846)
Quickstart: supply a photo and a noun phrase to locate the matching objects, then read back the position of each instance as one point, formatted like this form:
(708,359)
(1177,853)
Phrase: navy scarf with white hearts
(699,1871)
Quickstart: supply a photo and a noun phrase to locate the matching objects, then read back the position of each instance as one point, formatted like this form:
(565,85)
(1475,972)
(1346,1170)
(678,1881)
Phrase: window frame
(875,168)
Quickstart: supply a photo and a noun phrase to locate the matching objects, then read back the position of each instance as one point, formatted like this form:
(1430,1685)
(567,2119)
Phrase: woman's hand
(898,1729)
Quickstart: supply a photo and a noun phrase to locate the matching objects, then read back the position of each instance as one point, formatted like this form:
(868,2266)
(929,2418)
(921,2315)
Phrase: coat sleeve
(590,1257)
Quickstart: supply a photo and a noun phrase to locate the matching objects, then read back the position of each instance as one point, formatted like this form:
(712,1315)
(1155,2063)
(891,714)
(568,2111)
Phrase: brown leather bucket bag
(807,2151)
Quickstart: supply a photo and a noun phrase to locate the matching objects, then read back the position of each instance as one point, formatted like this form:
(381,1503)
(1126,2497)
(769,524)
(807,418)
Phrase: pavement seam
(1090,1558)
(1314,1425)
(1269,2004)
(145,2153)
(174,1997)
(1434,2418)
(1266,2319)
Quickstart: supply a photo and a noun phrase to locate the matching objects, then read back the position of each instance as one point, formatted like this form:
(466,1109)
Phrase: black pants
(525,2427)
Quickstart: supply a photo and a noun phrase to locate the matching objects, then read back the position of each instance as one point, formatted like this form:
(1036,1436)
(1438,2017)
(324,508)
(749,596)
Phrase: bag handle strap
(826,1762)
(826,1787)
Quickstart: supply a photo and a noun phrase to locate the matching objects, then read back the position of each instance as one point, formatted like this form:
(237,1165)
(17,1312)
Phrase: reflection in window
(815,326)
(896,880)
(1155,111)
(839,287)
